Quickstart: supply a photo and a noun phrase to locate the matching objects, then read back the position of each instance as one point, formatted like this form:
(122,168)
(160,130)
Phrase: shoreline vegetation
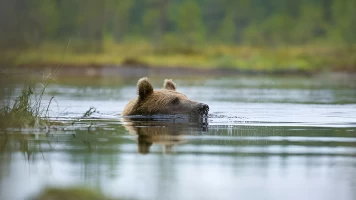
(286,59)
(30,109)
(70,193)
(26,110)
(251,36)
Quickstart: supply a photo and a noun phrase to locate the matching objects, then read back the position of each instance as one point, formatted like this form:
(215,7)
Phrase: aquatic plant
(76,193)
(27,110)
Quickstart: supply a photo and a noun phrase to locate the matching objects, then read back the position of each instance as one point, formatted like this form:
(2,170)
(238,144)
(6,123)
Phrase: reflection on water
(167,131)
(265,138)
(223,162)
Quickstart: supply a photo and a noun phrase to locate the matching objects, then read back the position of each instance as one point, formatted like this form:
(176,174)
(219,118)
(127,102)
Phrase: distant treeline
(178,22)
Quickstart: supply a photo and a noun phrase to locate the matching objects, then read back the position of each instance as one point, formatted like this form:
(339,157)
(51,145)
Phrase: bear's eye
(175,101)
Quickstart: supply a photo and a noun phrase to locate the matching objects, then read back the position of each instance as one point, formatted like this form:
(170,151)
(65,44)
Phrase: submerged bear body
(164,101)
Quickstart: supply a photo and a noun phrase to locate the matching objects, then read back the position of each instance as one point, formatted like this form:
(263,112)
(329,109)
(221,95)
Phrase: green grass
(306,58)
(75,193)
(26,110)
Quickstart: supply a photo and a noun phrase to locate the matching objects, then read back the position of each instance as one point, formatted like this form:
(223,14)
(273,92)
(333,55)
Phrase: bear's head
(163,101)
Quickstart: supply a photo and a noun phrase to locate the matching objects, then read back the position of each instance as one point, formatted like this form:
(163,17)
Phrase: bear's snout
(203,108)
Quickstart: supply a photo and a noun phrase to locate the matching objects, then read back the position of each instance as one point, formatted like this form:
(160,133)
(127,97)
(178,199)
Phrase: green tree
(150,23)
(27,22)
(68,24)
(121,18)
(189,22)
(252,35)
(92,22)
(181,22)
(44,15)
(154,19)
(227,30)
(343,27)
(310,24)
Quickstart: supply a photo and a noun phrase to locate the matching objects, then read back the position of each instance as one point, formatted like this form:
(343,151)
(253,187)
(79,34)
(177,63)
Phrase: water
(266,138)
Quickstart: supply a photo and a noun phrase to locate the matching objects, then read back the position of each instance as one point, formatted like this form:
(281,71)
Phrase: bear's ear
(169,84)
(144,88)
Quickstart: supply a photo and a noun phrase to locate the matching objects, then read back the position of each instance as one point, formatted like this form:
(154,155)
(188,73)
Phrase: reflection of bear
(165,133)
(164,101)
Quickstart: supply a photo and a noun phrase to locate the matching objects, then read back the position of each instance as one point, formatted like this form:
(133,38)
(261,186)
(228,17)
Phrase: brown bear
(163,101)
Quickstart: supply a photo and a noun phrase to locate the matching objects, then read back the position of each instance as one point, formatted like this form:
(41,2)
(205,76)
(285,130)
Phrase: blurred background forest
(246,34)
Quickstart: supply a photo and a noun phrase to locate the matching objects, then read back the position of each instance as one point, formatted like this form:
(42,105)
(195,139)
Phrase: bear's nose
(203,108)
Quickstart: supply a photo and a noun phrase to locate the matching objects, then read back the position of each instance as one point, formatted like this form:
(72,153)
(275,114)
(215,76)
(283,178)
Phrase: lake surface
(267,137)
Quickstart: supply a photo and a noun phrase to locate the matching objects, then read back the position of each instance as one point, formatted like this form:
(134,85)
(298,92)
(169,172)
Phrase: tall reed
(27,110)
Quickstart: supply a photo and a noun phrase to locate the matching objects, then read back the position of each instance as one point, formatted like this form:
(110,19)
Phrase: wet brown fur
(163,101)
